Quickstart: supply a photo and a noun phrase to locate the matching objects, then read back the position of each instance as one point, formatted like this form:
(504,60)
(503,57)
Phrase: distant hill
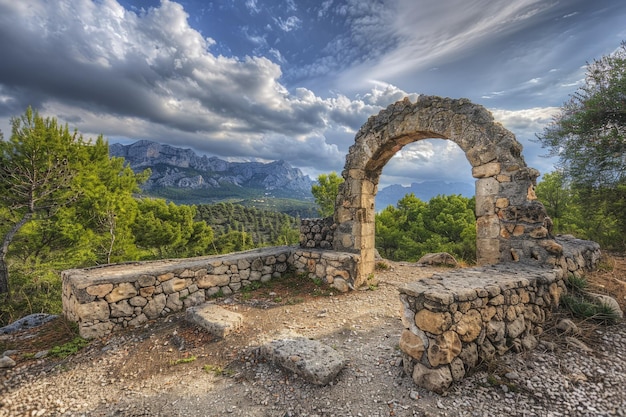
(422,190)
(182,176)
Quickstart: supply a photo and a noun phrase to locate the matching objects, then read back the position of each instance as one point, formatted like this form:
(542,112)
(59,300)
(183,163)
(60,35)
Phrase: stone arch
(510,222)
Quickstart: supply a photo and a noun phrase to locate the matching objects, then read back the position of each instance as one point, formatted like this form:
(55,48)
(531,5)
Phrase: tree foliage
(588,135)
(578,211)
(36,171)
(589,138)
(168,230)
(325,193)
(263,227)
(414,228)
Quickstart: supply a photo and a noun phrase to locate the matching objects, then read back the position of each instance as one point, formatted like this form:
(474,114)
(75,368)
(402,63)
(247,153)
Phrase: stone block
(155,306)
(412,345)
(470,326)
(99,290)
(444,348)
(121,309)
(435,323)
(214,319)
(490,169)
(175,285)
(312,360)
(436,380)
(95,330)
(121,292)
(208,281)
(97,310)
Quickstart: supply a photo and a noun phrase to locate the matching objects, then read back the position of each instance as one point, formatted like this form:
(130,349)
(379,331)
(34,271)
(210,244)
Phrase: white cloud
(289,24)
(253,6)
(150,75)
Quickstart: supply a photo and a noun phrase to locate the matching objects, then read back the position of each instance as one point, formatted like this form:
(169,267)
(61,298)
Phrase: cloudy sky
(294,80)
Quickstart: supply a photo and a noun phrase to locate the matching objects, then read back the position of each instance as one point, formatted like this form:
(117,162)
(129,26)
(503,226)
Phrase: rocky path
(175,369)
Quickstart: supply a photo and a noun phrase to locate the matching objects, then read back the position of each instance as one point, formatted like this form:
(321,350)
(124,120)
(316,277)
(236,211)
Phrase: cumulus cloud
(150,75)
(266,94)
(526,124)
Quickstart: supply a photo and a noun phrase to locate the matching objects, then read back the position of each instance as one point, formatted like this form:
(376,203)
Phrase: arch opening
(425,203)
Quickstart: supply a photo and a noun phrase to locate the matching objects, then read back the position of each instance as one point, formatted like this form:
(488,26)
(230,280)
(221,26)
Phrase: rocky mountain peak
(174,167)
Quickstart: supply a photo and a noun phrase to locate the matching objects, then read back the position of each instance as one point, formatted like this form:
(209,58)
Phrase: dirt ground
(170,367)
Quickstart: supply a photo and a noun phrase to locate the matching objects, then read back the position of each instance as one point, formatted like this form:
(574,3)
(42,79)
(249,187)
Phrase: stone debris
(312,360)
(439,258)
(216,320)
(6,362)
(567,326)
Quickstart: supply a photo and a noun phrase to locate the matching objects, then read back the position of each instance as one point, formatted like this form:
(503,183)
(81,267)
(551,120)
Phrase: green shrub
(69,348)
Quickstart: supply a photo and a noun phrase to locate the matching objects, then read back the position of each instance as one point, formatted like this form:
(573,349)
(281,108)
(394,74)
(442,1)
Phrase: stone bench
(112,297)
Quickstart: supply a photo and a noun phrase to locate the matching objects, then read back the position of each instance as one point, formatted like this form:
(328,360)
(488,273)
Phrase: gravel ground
(171,368)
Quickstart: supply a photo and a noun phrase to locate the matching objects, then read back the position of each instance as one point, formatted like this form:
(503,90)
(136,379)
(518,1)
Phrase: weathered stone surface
(155,306)
(437,380)
(490,169)
(175,285)
(138,321)
(97,310)
(99,290)
(312,360)
(121,309)
(121,292)
(147,291)
(440,258)
(95,330)
(194,299)
(6,362)
(208,281)
(412,344)
(173,302)
(470,326)
(146,280)
(610,302)
(215,319)
(516,328)
(138,301)
(444,348)
(431,322)
(27,322)
(457,369)
(340,284)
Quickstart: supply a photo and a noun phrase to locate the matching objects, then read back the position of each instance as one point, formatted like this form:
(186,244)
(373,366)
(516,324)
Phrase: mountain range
(422,190)
(184,176)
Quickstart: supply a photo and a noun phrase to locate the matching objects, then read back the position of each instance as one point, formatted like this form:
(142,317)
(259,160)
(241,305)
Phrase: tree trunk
(8,238)
(4,277)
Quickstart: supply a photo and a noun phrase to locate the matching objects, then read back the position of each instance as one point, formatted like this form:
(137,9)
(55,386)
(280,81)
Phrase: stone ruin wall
(455,320)
(317,233)
(511,224)
(106,299)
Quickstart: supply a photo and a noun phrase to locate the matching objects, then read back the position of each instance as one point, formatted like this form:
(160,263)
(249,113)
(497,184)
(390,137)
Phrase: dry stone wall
(105,299)
(317,233)
(455,320)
